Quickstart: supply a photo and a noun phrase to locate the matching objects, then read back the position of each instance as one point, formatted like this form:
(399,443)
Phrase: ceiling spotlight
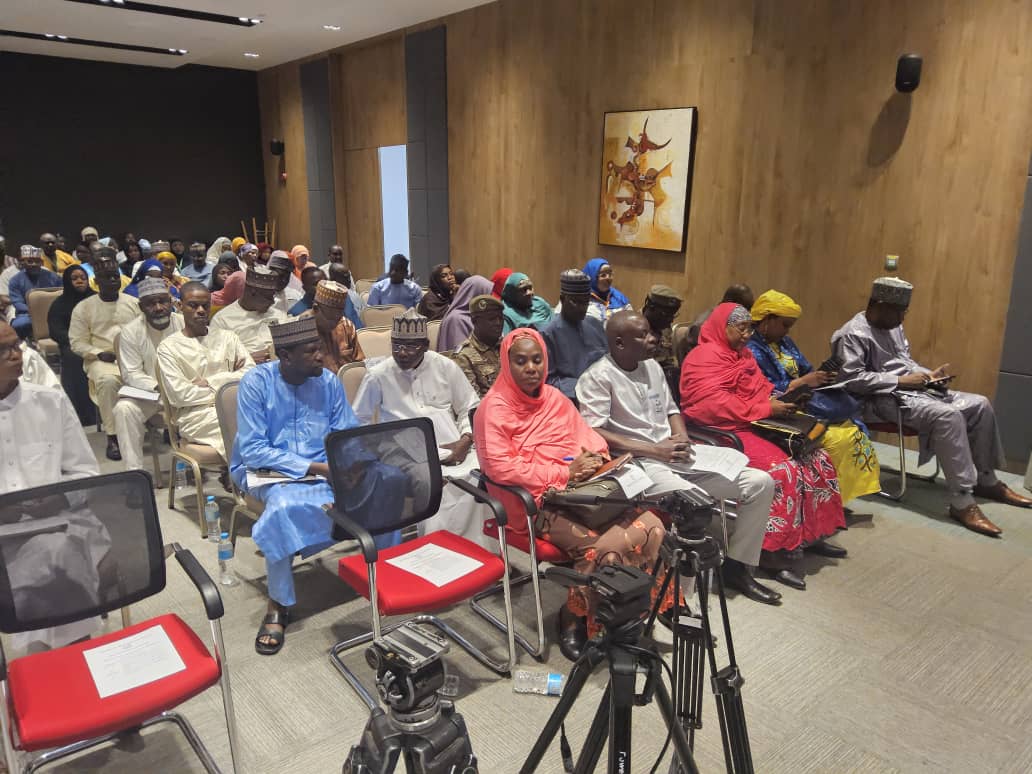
(257,21)
(332,27)
(62,37)
(50,34)
(244,19)
(182,51)
(251,54)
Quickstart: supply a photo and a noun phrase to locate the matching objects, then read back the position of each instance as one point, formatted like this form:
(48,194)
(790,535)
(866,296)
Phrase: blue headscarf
(133,288)
(615,300)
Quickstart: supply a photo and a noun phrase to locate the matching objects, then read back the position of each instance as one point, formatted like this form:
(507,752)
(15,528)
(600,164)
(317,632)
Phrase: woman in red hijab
(722,386)
(529,434)
(498,281)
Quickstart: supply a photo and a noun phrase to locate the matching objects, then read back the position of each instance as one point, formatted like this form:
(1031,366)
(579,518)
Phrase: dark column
(315,103)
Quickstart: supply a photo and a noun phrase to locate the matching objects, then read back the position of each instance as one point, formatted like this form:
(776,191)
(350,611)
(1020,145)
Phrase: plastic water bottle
(211,517)
(179,477)
(546,683)
(226,577)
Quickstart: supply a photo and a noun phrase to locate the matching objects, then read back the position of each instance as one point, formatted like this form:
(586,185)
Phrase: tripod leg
(682,751)
(581,671)
(727,688)
(597,735)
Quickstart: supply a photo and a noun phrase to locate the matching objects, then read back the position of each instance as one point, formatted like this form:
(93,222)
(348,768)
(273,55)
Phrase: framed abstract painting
(647,158)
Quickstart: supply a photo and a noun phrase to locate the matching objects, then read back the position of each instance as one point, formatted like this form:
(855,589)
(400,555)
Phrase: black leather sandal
(276,618)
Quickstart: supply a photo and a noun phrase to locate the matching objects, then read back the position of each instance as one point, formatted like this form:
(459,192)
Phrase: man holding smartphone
(957,427)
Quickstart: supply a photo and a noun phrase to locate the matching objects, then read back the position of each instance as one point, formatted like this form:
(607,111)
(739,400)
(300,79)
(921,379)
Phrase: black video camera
(690,512)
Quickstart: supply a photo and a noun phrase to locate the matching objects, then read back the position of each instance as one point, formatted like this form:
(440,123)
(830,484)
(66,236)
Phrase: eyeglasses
(403,348)
(744,329)
(6,350)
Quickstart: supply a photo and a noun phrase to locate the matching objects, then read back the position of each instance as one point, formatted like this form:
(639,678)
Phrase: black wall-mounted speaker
(276,146)
(908,73)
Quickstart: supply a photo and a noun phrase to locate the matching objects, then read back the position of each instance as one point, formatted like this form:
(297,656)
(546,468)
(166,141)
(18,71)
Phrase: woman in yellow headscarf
(779,358)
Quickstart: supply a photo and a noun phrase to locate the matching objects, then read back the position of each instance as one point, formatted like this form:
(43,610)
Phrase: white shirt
(41,443)
(286,298)
(5,279)
(217,358)
(436,388)
(95,323)
(138,351)
(251,327)
(35,369)
(634,403)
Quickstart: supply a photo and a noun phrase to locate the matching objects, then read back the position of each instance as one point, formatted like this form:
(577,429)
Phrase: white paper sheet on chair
(126,391)
(436,565)
(139,659)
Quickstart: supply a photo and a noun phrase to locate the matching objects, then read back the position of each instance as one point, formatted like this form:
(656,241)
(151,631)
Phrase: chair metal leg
(227,694)
(127,618)
(898,495)
(165,717)
(153,437)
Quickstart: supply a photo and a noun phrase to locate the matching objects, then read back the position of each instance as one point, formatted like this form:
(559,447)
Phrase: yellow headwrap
(237,242)
(165,254)
(773,302)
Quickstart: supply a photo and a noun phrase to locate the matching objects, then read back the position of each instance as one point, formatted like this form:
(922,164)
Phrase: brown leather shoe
(1002,493)
(976,521)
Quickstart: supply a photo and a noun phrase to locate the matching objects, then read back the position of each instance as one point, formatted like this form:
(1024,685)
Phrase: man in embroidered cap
(94,324)
(478,356)
(661,307)
(89,235)
(285,410)
(338,339)
(283,267)
(415,382)
(194,363)
(574,340)
(959,428)
(251,316)
(396,287)
(137,362)
(31,277)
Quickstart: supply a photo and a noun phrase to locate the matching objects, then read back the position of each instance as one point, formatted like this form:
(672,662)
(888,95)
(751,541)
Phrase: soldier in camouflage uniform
(478,355)
(661,307)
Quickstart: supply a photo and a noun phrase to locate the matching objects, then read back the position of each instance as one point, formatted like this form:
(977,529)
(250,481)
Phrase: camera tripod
(418,726)
(431,740)
(612,719)
(696,555)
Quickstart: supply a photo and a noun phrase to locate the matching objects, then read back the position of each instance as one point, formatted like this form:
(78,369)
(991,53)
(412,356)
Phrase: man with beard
(285,410)
(32,277)
(194,363)
(137,361)
(94,324)
(251,316)
(574,340)
(195,264)
(478,355)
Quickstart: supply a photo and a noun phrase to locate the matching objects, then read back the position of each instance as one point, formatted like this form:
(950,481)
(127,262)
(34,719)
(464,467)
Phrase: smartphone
(940,382)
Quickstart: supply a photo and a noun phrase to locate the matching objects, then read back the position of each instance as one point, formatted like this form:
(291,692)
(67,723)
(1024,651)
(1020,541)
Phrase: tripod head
(622,593)
(409,669)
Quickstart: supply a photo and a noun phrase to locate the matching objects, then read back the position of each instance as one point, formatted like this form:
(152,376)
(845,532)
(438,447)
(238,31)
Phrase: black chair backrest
(76,549)
(385,476)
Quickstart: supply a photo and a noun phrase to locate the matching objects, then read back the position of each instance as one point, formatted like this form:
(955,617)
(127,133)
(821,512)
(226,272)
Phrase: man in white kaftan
(194,363)
(250,317)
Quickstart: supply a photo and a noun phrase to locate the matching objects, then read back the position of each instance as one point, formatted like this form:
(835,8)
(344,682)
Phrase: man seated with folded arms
(32,276)
(250,316)
(285,410)
(194,363)
(415,382)
(959,428)
(625,398)
(574,340)
(338,339)
(660,309)
(137,362)
(396,287)
(478,356)
(94,324)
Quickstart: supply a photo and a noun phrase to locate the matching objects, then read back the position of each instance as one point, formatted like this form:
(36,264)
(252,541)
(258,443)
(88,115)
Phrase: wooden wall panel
(365,219)
(809,167)
(279,99)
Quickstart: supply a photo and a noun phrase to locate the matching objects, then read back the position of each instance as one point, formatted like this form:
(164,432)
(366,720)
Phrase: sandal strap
(277,618)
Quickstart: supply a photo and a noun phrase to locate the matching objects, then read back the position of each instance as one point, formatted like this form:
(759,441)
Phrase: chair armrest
(481,497)
(3,663)
(357,531)
(528,502)
(209,591)
(713,436)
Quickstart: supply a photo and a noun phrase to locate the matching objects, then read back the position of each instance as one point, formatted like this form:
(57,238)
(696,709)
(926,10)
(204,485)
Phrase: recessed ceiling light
(54,37)
(251,54)
(183,13)
(333,27)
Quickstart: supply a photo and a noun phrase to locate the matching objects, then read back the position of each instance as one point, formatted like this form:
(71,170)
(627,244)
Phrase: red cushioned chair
(387,477)
(100,542)
(901,432)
